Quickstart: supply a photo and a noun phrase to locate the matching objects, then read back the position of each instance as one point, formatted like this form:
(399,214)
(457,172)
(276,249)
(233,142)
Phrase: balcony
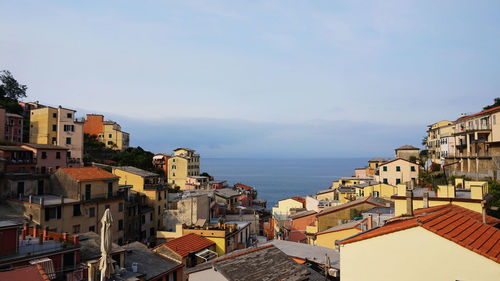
(94,197)
(21,161)
(481,128)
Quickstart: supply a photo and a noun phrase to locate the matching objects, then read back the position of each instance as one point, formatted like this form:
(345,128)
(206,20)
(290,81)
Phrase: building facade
(398,171)
(108,132)
(183,164)
(14,127)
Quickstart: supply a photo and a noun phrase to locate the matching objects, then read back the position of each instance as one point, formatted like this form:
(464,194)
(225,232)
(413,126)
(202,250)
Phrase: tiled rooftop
(31,273)
(310,252)
(370,200)
(88,173)
(187,244)
(452,222)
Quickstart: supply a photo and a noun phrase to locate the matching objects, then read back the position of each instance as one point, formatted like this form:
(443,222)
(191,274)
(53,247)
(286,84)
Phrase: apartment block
(439,140)
(398,171)
(108,132)
(14,127)
(58,126)
(183,164)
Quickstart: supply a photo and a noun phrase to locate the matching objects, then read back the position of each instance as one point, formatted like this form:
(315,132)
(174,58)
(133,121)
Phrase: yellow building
(466,249)
(421,197)
(398,171)
(376,190)
(114,137)
(435,133)
(327,238)
(350,181)
(328,195)
(184,163)
(58,126)
(149,184)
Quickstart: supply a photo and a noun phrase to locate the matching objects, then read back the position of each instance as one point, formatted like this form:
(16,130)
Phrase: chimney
(30,199)
(425,199)
(409,202)
(41,201)
(65,236)
(40,238)
(370,222)
(35,231)
(76,241)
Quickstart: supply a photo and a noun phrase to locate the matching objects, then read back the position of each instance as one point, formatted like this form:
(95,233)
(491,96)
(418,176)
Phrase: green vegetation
(494,190)
(495,104)
(11,92)
(96,151)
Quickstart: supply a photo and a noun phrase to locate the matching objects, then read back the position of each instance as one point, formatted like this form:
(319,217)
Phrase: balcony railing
(21,161)
(102,196)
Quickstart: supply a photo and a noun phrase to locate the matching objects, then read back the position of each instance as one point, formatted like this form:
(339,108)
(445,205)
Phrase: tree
(10,92)
(424,141)
(495,104)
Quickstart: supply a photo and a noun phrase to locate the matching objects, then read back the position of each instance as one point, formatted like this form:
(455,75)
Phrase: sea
(277,179)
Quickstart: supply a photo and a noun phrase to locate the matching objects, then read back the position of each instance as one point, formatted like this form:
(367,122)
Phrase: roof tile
(88,173)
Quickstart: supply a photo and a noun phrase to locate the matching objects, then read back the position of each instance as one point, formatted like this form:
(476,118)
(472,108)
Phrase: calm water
(276,179)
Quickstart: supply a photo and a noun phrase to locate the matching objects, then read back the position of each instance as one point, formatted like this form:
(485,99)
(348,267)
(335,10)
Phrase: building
(90,246)
(435,133)
(197,182)
(477,146)
(149,184)
(160,161)
(58,126)
(31,272)
(263,263)
(48,157)
(449,242)
(349,181)
(190,250)
(57,253)
(398,171)
(183,164)
(108,132)
(470,197)
(407,152)
(14,127)
(2,123)
(84,193)
(18,159)
(150,265)
(327,238)
(375,190)
(379,215)
(187,209)
(227,196)
(228,236)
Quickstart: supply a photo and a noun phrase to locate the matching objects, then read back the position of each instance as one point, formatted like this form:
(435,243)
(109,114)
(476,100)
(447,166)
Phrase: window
(76,210)
(398,169)
(384,168)
(87,191)
(398,181)
(130,228)
(92,228)
(54,128)
(159,210)
(173,174)
(44,155)
(375,194)
(69,115)
(385,181)
(152,231)
(173,160)
(68,154)
(158,224)
(58,155)
(20,187)
(69,128)
(413,168)
(120,225)
(76,228)
(43,170)
(150,216)
(53,213)
(143,219)
(106,206)
(68,140)
(110,189)
(120,207)
(92,212)
(54,115)
(110,135)
(110,143)
(54,141)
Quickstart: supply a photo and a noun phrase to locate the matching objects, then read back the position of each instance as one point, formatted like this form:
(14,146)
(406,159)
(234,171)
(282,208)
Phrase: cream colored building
(184,163)
(420,247)
(58,126)
(398,171)
(436,133)
(113,136)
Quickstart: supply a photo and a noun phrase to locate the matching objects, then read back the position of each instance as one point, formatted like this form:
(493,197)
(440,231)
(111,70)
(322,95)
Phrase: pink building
(48,157)
(14,127)
(2,123)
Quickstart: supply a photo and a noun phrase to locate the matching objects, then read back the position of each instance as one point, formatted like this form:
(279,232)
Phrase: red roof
(31,273)
(245,187)
(299,199)
(88,173)
(187,244)
(479,113)
(452,222)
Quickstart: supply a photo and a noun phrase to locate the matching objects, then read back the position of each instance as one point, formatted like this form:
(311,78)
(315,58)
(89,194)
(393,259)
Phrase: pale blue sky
(259,78)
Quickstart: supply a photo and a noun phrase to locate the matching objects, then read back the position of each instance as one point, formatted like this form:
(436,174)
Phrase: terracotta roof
(187,244)
(32,273)
(479,113)
(303,214)
(378,202)
(299,199)
(245,187)
(452,222)
(88,173)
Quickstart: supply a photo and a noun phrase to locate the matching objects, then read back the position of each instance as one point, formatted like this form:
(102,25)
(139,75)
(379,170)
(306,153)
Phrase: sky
(248,79)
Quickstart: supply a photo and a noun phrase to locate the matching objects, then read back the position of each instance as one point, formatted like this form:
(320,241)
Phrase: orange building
(94,124)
